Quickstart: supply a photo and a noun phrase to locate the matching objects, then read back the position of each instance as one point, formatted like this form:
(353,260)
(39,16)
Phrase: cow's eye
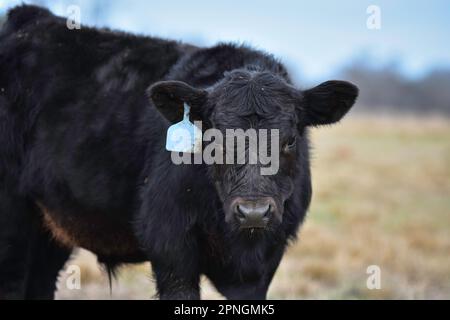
(290,144)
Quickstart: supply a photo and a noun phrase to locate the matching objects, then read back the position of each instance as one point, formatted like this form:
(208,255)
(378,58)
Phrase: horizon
(411,39)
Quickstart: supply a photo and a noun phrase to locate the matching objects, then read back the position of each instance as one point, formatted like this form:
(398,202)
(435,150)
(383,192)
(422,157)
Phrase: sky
(315,39)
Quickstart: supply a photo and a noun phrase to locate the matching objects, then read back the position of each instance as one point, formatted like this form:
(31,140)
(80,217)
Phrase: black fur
(82,156)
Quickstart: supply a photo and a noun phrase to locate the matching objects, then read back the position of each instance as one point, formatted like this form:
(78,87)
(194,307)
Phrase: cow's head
(246,99)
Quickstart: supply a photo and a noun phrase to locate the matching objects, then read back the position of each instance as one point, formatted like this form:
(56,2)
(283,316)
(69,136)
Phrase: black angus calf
(83,121)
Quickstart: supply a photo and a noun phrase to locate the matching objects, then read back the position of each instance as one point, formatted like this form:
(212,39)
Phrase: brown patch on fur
(96,233)
(59,234)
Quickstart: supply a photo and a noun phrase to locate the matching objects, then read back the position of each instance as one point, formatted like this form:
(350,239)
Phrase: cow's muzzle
(253,212)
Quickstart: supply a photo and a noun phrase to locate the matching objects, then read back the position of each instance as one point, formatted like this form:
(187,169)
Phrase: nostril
(263,211)
(239,211)
(268,211)
(240,214)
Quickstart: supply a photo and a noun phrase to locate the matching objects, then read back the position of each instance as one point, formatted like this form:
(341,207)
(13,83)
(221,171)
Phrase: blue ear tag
(184,136)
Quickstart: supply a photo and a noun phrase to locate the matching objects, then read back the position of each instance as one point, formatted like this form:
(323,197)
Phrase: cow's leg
(176,269)
(177,281)
(243,290)
(235,287)
(48,257)
(17,228)
(170,242)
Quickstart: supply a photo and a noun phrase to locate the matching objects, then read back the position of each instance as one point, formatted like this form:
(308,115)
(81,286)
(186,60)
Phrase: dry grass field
(382,197)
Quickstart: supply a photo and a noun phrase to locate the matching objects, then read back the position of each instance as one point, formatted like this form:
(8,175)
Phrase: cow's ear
(169,98)
(328,102)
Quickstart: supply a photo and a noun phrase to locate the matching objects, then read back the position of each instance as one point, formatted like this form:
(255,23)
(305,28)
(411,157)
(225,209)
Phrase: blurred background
(381,177)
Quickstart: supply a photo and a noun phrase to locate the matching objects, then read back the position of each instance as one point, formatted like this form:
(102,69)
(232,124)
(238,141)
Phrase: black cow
(83,160)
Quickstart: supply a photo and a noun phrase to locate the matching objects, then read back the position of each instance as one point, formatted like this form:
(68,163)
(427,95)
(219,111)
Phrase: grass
(381,197)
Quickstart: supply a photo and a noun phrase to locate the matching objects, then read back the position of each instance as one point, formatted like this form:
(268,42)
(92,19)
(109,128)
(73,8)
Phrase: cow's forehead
(284,122)
(256,98)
